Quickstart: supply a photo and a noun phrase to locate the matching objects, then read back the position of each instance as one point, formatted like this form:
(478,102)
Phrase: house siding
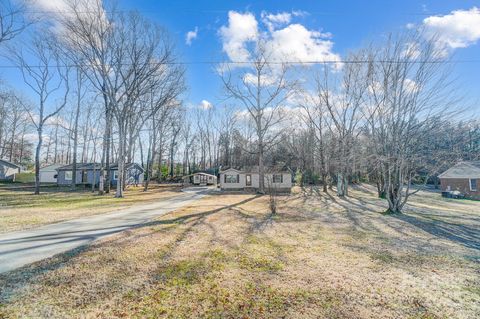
(285,186)
(232,186)
(62,181)
(462,185)
(211,179)
(94,178)
(48,177)
(8,172)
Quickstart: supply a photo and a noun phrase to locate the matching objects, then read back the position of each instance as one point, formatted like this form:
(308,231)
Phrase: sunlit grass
(225,256)
(19,208)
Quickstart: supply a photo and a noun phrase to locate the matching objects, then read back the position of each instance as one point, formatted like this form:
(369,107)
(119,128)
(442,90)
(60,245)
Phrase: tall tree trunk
(75,132)
(261,169)
(37,159)
(121,162)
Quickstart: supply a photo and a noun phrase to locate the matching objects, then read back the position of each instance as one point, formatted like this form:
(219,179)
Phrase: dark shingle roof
(98,166)
(4,162)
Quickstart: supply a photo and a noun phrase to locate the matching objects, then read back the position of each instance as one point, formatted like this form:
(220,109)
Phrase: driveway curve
(24,247)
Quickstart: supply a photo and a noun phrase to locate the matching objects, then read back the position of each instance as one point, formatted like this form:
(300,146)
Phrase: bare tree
(345,102)
(263,90)
(12,21)
(410,93)
(45,73)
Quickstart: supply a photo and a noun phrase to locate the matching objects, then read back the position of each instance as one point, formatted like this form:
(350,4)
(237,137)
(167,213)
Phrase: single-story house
(248,179)
(89,173)
(8,170)
(200,179)
(463,177)
(204,179)
(48,174)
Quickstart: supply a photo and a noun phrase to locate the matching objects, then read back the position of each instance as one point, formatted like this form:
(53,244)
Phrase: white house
(249,179)
(8,170)
(48,174)
(204,179)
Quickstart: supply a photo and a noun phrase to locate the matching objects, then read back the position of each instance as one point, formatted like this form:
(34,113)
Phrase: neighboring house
(48,174)
(200,179)
(248,179)
(89,173)
(8,170)
(204,179)
(463,177)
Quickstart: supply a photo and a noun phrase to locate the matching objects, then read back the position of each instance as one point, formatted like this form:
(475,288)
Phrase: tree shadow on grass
(12,281)
(465,235)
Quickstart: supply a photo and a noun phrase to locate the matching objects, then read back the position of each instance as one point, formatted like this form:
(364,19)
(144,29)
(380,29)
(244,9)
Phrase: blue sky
(350,24)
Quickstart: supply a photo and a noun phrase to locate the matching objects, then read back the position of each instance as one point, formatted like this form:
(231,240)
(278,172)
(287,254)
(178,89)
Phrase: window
(115,175)
(277,178)
(68,175)
(229,179)
(473,185)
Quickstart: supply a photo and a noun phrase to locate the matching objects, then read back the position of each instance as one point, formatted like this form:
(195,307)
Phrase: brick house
(463,177)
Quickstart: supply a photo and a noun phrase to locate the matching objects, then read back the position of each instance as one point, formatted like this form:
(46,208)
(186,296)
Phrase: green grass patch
(384,257)
(25,177)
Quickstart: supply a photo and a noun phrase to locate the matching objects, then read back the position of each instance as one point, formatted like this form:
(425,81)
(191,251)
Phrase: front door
(248,180)
(84,177)
(203,180)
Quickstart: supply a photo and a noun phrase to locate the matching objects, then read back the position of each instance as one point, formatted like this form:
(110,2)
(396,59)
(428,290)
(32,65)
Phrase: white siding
(239,185)
(285,184)
(48,177)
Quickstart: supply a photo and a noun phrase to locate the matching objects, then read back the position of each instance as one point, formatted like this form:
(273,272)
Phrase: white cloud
(459,29)
(410,26)
(51,6)
(410,86)
(241,29)
(283,40)
(205,105)
(412,51)
(297,43)
(55,10)
(273,21)
(191,35)
(265,80)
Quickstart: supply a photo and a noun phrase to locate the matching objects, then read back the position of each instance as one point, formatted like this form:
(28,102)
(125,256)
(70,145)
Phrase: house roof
(7,163)
(255,169)
(51,168)
(466,169)
(202,173)
(96,166)
(127,166)
(80,166)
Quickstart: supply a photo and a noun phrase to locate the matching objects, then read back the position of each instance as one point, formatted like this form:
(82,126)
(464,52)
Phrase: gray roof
(80,166)
(96,166)
(466,169)
(7,163)
(51,168)
(255,169)
(202,173)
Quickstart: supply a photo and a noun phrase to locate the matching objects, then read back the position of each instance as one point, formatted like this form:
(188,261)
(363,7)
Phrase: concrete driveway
(24,247)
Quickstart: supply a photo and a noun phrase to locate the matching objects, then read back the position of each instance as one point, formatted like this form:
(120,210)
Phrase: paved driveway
(24,247)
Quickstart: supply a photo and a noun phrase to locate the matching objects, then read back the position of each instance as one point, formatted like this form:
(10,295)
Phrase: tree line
(108,87)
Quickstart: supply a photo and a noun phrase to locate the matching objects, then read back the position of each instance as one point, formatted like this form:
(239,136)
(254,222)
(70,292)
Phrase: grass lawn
(225,256)
(20,209)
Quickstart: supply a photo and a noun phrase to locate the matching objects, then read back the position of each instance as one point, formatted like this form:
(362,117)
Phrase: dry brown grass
(225,256)
(20,209)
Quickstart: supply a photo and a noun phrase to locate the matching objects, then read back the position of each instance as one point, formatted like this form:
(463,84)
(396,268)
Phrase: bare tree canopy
(12,21)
